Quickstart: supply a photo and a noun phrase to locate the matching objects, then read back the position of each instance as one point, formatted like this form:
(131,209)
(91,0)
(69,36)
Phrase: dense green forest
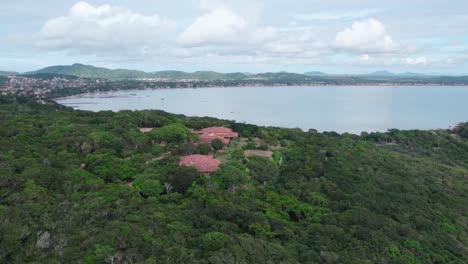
(83,187)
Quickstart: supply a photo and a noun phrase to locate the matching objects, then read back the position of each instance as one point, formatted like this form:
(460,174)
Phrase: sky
(333,36)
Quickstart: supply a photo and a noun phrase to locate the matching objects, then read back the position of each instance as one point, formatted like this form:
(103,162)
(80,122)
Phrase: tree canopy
(82,187)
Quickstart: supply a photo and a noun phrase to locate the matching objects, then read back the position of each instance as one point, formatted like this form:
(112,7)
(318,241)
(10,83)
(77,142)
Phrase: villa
(210,133)
(205,164)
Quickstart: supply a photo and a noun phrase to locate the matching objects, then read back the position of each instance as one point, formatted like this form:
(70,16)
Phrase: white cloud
(300,42)
(365,58)
(208,5)
(367,35)
(225,33)
(417,61)
(222,26)
(87,28)
(328,16)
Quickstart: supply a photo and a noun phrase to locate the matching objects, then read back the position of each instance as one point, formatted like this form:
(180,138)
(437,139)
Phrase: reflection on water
(328,108)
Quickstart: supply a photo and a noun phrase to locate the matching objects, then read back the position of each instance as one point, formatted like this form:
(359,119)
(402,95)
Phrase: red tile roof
(146,129)
(205,164)
(210,133)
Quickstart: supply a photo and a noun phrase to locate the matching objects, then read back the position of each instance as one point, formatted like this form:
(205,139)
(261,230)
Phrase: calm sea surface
(329,108)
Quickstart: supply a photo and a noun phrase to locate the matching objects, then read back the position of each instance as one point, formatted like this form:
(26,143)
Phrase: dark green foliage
(250,145)
(262,169)
(461,130)
(183,178)
(66,194)
(217,144)
(204,149)
(263,147)
(188,149)
(238,154)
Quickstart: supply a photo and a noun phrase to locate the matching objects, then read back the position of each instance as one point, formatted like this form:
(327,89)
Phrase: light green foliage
(238,154)
(104,140)
(85,177)
(109,167)
(412,244)
(233,175)
(261,230)
(394,252)
(100,254)
(449,228)
(172,133)
(33,191)
(148,187)
(250,145)
(318,199)
(213,241)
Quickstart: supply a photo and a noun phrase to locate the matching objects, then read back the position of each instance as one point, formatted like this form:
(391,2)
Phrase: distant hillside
(89,71)
(200,75)
(48,76)
(392,74)
(380,74)
(315,73)
(281,76)
(7,73)
(412,74)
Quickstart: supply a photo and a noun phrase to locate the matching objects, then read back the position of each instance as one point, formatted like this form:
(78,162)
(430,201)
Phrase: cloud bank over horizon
(237,35)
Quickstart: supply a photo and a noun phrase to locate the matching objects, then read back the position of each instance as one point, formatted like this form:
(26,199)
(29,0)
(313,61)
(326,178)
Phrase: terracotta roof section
(146,129)
(210,133)
(204,163)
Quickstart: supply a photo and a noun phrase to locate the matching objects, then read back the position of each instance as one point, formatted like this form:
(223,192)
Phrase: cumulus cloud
(417,61)
(330,16)
(367,35)
(224,32)
(300,42)
(87,28)
(365,58)
(222,26)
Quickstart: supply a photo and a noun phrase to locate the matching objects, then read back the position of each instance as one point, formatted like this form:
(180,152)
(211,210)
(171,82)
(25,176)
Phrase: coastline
(118,95)
(260,86)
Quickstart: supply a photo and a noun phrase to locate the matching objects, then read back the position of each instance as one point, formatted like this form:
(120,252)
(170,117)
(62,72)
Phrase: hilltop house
(205,164)
(210,133)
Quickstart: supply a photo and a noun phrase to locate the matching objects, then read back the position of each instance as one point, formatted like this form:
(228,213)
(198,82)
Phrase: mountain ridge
(90,71)
(7,72)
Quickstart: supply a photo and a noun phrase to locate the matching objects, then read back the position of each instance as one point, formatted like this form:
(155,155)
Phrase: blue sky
(352,36)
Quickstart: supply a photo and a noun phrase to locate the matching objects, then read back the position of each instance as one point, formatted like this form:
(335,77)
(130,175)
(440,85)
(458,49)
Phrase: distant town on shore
(58,81)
